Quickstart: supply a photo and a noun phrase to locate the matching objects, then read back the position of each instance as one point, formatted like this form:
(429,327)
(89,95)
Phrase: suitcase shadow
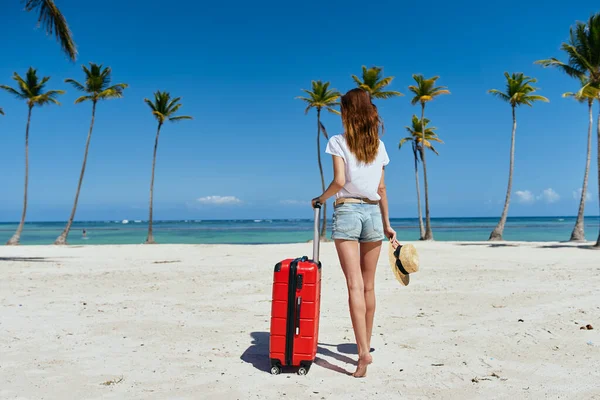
(258,354)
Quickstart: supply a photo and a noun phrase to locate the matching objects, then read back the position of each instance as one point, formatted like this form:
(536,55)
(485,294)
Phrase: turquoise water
(290,231)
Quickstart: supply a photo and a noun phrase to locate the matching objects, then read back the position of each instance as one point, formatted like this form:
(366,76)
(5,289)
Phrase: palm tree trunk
(16,238)
(578,234)
(597,245)
(324,224)
(421,226)
(428,231)
(150,238)
(499,229)
(62,239)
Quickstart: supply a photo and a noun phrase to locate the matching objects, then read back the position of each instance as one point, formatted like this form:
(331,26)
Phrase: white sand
(198,328)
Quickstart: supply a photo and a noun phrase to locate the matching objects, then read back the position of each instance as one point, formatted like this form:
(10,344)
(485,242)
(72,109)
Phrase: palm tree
(416,139)
(373,82)
(164,109)
(583,51)
(586,95)
(31,89)
(55,23)
(426,91)
(321,97)
(97,87)
(518,92)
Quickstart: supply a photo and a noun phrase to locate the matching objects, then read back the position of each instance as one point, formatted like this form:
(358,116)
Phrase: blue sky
(238,67)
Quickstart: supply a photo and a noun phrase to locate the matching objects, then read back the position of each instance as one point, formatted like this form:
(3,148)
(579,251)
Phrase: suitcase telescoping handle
(316,236)
(298,304)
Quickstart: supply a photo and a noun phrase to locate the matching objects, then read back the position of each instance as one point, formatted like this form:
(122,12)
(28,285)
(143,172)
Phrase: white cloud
(219,200)
(549,196)
(525,196)
(295,202)
(577,195)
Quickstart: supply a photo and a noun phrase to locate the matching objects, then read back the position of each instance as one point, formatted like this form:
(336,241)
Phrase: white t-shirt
(362,180)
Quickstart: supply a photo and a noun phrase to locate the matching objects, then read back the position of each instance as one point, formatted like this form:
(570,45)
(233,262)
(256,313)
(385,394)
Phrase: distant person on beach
(84,233)
(360,219)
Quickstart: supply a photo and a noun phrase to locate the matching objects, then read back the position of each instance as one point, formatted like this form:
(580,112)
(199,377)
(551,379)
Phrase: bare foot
(363,363)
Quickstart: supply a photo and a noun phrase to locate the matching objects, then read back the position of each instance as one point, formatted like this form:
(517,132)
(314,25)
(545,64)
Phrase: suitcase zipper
(291,321)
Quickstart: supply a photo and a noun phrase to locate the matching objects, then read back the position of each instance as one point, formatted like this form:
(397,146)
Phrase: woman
(360,219)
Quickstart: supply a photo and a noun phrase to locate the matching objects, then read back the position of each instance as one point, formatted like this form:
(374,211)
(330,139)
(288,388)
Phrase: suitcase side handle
(298,304)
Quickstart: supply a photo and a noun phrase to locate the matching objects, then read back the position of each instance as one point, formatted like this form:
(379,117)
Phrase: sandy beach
(191,322)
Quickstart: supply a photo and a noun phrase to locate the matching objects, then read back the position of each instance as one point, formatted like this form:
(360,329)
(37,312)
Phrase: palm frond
(150,104)
(31,89)
(76,84)
(590,91)
(374,83)
(113,92)
(386,95)
(53,22)
(323,130)
(172,109)
(82,99)
(383,82)
(14,92)
(97,83)
(519,90)
(424,90)
(320,97)
(179,118)
(582,51)
(28,87)
(303,99)
(567,69)
(46,98)
(499,94)
(160,117)
(1,111)
(164,107)
(404,140)
(173,105)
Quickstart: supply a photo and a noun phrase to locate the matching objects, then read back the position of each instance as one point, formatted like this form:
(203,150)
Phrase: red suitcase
(295,308)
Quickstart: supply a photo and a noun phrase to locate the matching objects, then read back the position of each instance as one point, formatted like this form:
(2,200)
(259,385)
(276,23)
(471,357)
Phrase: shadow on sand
(258,354)
(582,246)
(486,244)
(560,245)
(26,259)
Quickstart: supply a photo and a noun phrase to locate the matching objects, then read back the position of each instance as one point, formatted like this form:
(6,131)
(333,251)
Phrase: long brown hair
(361,124)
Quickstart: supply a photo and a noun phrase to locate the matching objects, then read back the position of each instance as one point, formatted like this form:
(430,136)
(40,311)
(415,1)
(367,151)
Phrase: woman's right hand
(315,201)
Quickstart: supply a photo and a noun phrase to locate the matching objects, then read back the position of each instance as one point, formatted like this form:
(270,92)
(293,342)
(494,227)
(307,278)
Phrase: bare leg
(369,255)
(348,253)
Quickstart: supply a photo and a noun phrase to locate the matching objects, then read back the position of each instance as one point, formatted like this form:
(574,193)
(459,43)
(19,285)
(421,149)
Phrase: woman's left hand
(390,233)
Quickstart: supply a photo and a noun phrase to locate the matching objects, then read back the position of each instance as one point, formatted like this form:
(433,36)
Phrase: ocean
(265,231)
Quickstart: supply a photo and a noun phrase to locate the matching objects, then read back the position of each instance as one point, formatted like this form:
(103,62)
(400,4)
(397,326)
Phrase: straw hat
(404,261)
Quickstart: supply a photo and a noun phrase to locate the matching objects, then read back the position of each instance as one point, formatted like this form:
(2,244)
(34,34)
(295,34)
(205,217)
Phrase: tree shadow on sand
(490,244)
(258,354)
(585,246)
(25,259)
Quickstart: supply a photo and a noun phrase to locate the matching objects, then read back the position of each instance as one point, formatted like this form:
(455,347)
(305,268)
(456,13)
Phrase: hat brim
(408,257)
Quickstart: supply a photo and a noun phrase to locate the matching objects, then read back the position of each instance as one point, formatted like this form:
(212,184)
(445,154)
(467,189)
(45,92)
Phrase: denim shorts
(357,221)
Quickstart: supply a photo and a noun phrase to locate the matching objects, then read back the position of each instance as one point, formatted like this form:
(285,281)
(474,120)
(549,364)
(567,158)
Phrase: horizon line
(276,219)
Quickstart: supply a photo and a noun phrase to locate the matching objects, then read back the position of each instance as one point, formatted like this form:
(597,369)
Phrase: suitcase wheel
(302,371)
(275,370)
